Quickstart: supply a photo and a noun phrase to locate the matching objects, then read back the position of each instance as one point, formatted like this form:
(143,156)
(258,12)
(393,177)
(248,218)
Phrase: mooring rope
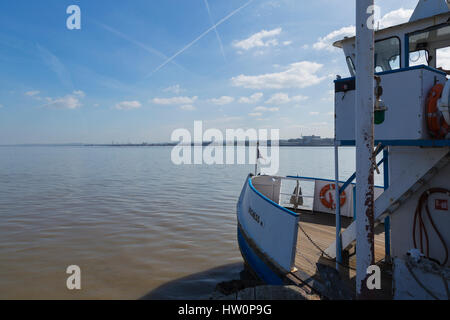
(419,282)
(322,251)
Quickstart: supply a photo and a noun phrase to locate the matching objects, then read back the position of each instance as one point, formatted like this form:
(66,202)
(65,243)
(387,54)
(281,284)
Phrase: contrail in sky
(202,35)
(215,29)
(137,43)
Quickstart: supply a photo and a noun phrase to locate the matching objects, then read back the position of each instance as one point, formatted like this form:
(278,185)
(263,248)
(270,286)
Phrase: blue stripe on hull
(257,265)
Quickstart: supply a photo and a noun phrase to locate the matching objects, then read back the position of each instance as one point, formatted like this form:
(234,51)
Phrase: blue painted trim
(270,201)
(347,183)
(405,143)
(423,66)
(387,220)
(353,177)
(313,179)
(321,179)
(258,266)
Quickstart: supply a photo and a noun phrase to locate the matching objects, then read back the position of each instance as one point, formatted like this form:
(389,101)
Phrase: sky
(138,70)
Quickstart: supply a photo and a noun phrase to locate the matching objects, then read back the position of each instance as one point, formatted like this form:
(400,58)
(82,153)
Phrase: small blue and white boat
(291,230)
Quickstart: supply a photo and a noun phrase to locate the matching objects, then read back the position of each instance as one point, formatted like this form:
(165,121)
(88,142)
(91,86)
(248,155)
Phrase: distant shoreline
(283,143)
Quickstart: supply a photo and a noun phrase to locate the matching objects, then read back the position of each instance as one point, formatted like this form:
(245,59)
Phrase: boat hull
(256,261)
(267,233)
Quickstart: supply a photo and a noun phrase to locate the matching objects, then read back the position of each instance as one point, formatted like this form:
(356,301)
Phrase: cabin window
(395,63)
(443,58)
(387,54)
(417,58)
(351,66)
(429,47)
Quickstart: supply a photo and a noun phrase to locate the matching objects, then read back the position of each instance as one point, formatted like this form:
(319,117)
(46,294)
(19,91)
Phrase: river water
(135,223)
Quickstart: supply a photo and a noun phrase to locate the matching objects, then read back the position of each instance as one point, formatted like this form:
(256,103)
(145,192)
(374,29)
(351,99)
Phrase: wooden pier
(317,271)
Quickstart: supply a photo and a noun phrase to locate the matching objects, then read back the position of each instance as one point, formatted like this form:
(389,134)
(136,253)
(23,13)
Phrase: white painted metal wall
(405,117)
(269,186)
(407,159)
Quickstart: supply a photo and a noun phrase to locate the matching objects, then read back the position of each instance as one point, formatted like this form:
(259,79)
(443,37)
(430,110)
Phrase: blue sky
(137,70)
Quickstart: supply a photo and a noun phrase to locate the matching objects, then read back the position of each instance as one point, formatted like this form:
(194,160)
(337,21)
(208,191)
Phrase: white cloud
(128,105)
(283,98)
(279,98)
(70,101)
(298,75)
(329,97)
(32,93)
(255,114)
(287,43)
(229,121)
(326,43)
(394,18)
(254,98)
(443,58)
(257,40)
(222,100)
(176,89)
(79,93)
(174,100)
(188,107)
(390,19)
(314,113)
(299,98)
(261,108)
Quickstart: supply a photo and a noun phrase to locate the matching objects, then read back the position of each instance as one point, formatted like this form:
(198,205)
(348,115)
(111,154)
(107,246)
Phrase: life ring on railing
(330,203)
(438,127)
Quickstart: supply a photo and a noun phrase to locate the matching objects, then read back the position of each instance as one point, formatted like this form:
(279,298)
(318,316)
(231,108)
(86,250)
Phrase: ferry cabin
(287,228)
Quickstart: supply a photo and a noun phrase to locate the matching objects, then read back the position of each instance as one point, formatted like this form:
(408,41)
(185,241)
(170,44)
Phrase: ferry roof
(404,28)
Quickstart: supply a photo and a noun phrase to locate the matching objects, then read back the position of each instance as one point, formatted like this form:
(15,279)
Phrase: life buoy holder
(437,125)
(329,203)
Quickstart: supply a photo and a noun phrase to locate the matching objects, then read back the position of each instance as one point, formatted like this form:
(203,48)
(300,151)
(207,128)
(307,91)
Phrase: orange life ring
(437,125)
(330,203)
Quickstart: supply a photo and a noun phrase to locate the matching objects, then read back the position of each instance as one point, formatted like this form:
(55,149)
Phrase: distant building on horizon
(311,139)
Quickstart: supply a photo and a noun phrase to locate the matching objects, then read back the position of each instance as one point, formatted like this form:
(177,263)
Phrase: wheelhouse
(421,42)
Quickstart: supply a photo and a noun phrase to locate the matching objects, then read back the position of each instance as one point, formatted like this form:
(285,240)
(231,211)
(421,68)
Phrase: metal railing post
(365,44)
(387,221)
(338,207)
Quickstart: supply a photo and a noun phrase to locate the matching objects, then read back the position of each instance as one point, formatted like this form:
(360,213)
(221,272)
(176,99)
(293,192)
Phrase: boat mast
(364,143)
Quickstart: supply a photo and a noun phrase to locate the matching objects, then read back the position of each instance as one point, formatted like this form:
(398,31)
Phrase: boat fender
(330,203)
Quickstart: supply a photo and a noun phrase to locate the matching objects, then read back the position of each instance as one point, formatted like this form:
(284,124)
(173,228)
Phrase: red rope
(423,200)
